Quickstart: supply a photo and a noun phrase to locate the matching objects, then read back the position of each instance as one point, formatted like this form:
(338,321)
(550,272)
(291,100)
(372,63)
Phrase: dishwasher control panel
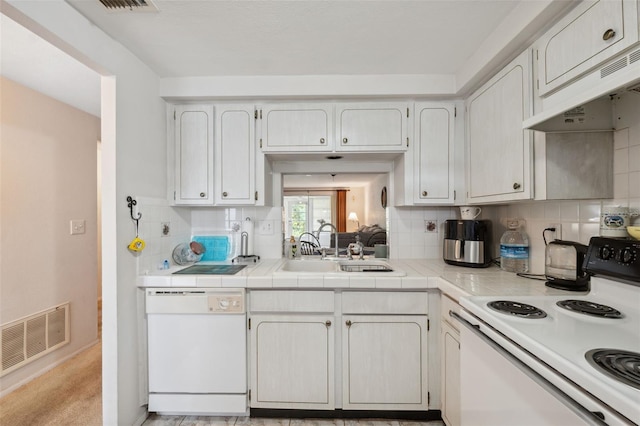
(226,303)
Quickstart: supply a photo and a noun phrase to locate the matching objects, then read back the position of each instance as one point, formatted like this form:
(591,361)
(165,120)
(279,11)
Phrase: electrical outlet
(77,226)
(165,229)
(266,227)
(554,235)
(430,225)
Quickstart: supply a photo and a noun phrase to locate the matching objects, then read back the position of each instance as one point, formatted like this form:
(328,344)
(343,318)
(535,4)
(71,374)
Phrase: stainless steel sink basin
(335,266)
(365,267)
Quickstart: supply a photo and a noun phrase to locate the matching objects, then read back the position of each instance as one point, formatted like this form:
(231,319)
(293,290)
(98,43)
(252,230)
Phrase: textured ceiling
(221,38)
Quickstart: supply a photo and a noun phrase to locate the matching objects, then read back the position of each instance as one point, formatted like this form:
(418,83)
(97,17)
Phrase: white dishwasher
(197,351)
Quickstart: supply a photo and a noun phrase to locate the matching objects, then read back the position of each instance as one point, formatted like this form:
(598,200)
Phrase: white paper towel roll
(247,226)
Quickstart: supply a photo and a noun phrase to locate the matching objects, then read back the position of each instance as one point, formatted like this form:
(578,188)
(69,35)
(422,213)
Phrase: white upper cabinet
(235,161)
(296,127)
(499,149)
(193,151)
(372,126)
(433,153)
(586,37)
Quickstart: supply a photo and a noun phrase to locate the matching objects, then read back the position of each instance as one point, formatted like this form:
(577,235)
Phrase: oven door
(502,384)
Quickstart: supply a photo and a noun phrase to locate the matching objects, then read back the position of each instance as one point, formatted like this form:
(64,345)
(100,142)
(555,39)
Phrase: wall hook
(132,203)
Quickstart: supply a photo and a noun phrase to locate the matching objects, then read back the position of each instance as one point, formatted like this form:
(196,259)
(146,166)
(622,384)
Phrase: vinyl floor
(162,420)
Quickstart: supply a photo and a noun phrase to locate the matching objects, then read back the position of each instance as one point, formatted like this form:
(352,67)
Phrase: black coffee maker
(467,243)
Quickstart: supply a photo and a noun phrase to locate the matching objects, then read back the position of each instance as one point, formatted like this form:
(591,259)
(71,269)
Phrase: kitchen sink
(342,266)
(317,266)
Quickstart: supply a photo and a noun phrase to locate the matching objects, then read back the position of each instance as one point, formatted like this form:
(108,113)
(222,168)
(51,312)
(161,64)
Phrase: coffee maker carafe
(467,243)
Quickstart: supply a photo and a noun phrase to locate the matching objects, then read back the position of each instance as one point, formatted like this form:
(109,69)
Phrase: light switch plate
(77,226)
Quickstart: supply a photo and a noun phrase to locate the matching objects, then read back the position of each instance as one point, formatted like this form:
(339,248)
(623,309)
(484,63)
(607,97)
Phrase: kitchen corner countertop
(455,281)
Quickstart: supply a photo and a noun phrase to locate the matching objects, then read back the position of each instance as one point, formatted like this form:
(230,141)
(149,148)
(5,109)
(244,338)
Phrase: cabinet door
(194,154)
(433,154)
(589,35)
(291,128)
(499,149)
(384,362)
(372,127)
(235,155)
(292,362)
(450,344)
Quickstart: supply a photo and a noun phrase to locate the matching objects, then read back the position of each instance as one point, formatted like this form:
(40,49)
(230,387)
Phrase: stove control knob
(606,253)
(627,255)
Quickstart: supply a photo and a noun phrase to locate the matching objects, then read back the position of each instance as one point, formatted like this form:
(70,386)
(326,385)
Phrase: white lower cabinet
(384,362)
(292,361)
(325,350)
(450,344)
(450,363)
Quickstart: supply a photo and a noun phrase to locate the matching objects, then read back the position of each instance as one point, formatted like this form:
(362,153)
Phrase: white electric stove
(584,347)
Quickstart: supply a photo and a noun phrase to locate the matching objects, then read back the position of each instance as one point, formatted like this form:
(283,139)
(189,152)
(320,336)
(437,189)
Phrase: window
(305,212)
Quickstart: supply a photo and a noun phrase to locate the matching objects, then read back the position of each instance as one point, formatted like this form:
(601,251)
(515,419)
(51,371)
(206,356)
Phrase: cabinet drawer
(384,303)
(447,304)
(292,301)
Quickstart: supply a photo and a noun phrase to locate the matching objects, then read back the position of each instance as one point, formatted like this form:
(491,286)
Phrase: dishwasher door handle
(592,418)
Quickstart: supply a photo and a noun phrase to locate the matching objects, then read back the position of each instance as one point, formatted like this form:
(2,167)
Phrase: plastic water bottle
(514,249)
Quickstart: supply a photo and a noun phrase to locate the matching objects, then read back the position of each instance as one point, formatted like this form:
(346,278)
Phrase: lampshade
(353,216)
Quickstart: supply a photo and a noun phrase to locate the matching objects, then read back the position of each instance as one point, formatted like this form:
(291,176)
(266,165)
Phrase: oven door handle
(588,416)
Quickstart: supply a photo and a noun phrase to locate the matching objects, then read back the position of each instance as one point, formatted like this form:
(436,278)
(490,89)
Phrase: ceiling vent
(129,5)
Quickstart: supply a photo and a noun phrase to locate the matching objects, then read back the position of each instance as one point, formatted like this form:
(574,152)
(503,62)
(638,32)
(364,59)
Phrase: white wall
(133,163)
(48,177)
(356,200)
(375,214)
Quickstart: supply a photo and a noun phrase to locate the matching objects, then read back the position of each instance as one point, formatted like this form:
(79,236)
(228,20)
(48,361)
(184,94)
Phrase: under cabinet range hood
(582,105)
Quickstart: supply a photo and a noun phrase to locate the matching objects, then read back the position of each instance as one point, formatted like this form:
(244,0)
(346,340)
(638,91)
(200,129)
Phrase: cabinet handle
(516,185)
(345,140)
(348,323)
(609,34)
(224,194)
(202,195)
(321,140)
(424,193)
(327,323)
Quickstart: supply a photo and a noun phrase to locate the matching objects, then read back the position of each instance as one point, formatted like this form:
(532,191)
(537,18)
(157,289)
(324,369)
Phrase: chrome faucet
(335,230)
(356,248)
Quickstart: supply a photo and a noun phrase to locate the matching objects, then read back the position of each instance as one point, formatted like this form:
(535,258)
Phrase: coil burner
(620,365)
(590,308)
(520,310)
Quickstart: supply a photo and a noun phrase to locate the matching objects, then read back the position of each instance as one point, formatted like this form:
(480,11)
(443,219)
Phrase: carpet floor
(70,394)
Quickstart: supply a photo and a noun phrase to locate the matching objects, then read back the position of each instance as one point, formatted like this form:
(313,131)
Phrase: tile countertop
(455,281)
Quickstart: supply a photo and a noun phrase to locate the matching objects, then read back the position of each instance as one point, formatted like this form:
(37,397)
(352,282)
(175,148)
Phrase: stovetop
(552,328)
(211,270)
(563,337)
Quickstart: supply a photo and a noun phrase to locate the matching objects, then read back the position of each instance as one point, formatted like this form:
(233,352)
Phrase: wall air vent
(130,5)
(31,337)
(634,56)
(613,67)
